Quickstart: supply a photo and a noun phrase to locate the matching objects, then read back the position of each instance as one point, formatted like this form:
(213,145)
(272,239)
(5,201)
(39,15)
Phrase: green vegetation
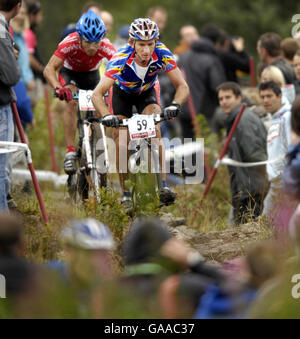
(43,242)
(249,19)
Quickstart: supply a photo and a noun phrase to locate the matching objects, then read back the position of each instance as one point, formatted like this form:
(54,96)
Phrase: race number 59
(296,288)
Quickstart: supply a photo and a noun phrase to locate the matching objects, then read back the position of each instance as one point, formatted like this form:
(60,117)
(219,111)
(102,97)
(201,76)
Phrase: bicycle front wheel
(98,172)
(146,181)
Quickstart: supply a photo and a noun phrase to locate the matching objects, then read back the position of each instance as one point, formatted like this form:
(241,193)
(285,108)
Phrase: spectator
(159,15)
(88,245)
(9,76)
(230,51)
(273,73)
(35,13)
(17,271)
(19,24)
(152,257)
(71,27)
(296,64)
(204,73)
(187,35)
(269,50)
(233,299)
(248,185)
(122,38)
(279,138)
(93,6)
(179,295)
(255,105)
(289,48)
(108,20)
(291,174)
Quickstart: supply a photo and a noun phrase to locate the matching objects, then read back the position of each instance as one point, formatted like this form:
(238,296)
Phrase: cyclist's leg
(66,78)
(121,105)
(121,138)
(149,104)
(155,109)
(70,120)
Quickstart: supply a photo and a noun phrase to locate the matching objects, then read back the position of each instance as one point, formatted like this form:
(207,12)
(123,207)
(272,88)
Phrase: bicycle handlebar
(158,118)
(122,122)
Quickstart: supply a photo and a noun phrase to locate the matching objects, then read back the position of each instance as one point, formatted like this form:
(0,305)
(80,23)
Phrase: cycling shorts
(123,103)
(82,80)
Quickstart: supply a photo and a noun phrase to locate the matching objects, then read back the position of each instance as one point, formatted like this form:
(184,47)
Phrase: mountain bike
(144,165)
(91,174)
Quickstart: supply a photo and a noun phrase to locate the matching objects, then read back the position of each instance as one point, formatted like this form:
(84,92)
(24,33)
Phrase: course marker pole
(30,164)
(223,153)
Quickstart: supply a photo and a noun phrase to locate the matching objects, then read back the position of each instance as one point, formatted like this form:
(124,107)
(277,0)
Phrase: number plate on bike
(85,100)
(141,127)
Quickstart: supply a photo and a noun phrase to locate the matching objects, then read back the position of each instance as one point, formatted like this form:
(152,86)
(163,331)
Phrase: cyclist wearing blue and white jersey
(132,78)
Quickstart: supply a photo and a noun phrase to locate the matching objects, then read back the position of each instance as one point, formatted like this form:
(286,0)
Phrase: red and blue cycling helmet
(90,27)
(143,29)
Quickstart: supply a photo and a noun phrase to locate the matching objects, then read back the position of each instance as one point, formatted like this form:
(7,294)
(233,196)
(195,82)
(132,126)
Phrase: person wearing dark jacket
(231,51)
(204,73)
(269,51)
(9,76)
(249,144)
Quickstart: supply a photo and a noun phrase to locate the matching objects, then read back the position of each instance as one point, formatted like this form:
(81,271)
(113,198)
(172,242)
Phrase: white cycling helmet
(143,29)
(88,234)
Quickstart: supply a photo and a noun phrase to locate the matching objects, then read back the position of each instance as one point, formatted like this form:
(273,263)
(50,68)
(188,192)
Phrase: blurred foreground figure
(20,275)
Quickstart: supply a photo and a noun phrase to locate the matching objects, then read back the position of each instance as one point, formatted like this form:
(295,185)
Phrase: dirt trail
(218,245)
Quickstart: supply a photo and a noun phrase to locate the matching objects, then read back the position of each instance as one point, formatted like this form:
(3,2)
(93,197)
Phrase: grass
(43,242)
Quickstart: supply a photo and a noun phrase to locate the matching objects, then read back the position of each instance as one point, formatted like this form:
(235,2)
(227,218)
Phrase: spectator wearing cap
(88,244)
(122,38)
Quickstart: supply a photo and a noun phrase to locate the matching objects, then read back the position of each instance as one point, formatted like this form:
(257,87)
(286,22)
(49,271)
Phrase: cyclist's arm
(50,72)
(182,89)
(99,92)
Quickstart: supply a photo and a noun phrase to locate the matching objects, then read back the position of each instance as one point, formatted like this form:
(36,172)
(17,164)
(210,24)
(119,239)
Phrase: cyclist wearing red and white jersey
(77,59)
(133,76)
